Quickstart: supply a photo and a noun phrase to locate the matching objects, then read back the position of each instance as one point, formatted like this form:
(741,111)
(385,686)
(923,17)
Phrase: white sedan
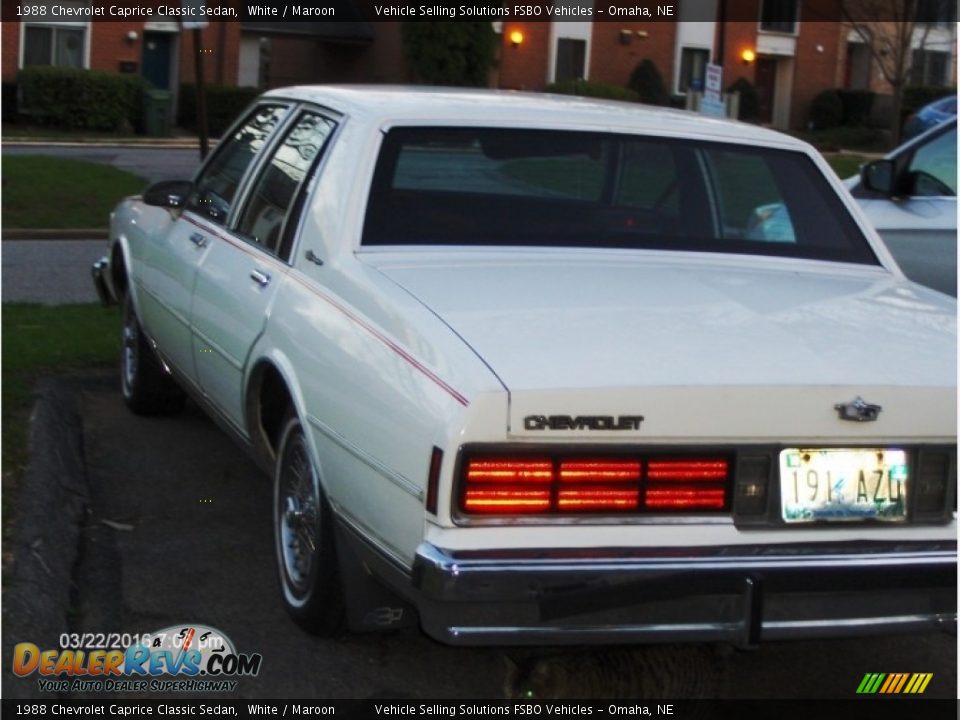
(534,369)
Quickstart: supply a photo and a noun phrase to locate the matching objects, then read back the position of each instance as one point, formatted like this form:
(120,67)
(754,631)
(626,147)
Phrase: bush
(856,106)
(8,103)
(916,96)
(749,100)
(450,53)
(224,105)
(646,81)
(71,98)
(826,110)
(589,88)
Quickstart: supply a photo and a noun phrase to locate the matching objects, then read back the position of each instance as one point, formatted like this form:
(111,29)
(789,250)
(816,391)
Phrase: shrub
(71,98)
(749,100)
(8,103)
(916,96)
(224,105)
(826,110)
(450,53)
(646,81)
(856,106)
(589,88)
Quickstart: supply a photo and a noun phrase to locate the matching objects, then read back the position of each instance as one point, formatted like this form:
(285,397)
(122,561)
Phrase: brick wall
(612,61)
(819,58)
(10,37)
(525,67)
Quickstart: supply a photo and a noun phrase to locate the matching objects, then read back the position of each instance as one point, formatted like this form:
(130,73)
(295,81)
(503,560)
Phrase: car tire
(304,538)
(147,388)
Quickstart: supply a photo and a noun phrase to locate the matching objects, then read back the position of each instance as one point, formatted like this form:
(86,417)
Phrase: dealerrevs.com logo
(180,658)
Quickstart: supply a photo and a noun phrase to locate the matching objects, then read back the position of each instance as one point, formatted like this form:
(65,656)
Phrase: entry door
(766,82)
(239,278)
(157,56)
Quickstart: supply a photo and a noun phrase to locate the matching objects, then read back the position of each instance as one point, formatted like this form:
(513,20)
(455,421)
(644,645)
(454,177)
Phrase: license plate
(843,485)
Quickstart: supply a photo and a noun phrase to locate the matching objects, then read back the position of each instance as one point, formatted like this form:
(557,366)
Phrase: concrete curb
(54,234)
(51,513)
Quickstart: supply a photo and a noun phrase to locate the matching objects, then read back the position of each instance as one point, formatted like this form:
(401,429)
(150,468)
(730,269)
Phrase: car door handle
(198,240)
(260,278)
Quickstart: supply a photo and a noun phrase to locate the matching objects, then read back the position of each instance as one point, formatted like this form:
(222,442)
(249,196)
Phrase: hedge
(749,109)
(856,105)
(646,81)
(8,103)
(72,98)
(826,110)
(589,88)
(224,104)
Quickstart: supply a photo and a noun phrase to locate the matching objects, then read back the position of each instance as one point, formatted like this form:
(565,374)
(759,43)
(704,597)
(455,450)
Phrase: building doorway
(158,59)
(766,84)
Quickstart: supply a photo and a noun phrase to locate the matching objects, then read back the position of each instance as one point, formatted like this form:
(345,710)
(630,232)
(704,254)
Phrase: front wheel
(304,539)
(147,388)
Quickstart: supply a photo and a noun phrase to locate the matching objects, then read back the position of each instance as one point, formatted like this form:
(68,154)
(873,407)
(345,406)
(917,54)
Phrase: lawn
(50,192)
(40,340)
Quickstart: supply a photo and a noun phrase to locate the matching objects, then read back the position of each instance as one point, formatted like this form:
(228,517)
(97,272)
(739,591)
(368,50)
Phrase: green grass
(41,340)
(862,139)
(52,192)
(845,165)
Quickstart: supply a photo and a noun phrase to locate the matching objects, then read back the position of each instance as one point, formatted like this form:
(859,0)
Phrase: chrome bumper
(736,595)
(99,270)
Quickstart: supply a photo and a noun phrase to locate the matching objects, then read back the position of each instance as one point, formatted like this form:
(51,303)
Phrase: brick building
(796,55)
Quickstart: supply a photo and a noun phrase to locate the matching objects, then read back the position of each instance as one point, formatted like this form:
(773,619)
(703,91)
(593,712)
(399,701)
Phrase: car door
(240,275)
(165,306)
(920,227)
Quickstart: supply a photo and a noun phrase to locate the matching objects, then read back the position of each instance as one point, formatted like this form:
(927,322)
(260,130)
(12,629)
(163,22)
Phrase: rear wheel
(147,388)
(304,539)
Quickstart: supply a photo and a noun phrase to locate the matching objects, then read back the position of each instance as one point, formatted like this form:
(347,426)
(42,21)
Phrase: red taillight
(508,487)
(542,485)
(687,470)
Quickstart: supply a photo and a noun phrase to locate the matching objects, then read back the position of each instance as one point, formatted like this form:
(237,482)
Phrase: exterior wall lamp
(516,38)
(132,37)
(748,56)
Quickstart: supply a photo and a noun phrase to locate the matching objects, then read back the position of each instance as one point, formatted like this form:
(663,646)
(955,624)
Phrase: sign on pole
(712,103)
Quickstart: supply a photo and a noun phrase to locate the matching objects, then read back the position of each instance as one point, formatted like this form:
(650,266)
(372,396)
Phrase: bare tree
(892,30)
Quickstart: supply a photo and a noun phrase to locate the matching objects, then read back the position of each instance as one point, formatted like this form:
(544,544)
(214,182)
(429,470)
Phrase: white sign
(713,82)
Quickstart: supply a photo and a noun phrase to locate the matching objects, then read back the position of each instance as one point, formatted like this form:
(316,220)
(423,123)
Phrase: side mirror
(879,176)
(168,193)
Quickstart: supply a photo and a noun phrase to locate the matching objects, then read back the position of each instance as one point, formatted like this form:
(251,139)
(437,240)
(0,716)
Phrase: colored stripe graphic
(894,683)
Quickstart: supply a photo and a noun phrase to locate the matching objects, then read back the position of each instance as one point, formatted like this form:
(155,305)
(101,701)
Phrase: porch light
(748,56)
(516,38)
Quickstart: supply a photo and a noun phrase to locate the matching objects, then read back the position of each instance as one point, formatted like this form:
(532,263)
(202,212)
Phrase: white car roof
(403,105)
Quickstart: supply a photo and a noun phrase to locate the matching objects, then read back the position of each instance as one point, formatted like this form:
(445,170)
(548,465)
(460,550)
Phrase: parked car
(930,115)
(536,369)
(910,197)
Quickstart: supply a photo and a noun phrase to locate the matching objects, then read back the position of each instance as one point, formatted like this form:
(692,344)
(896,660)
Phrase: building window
(54,45)
(930,67)
(779,16)
(693,65)
(571,59)
(939,13)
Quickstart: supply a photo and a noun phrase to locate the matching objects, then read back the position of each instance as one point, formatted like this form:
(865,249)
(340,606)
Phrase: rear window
(496,187)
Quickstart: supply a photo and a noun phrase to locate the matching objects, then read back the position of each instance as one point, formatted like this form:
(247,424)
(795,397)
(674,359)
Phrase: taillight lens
(569,485)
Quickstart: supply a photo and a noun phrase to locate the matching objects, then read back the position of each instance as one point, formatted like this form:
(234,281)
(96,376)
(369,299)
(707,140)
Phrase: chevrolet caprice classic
(534,369)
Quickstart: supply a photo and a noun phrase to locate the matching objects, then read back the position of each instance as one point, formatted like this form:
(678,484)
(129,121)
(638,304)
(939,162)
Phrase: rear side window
(497,187)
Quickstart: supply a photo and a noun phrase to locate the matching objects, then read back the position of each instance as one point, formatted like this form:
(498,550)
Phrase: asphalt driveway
(178,532)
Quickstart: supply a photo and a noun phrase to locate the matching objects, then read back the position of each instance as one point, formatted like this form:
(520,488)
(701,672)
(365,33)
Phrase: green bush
(71,98)
(646,81)
(224,105)
(826,110)
(856,105)
(589,88)
(749,110)
(450,53)
(8,103)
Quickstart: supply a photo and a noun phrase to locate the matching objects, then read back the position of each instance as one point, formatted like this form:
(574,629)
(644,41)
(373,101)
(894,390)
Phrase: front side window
(215,189)
(930,67)
(268,207)
(933,168)
(538,188)
(571,59)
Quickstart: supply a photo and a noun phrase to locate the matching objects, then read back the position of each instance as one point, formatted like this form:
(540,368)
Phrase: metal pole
(201,94)
(722,32)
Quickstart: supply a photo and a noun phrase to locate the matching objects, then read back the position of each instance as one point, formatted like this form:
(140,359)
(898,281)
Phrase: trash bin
(156,112)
